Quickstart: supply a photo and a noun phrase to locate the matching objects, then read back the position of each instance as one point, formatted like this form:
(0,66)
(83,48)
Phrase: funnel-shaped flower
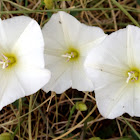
(114,68)
(67,43)
(21,59)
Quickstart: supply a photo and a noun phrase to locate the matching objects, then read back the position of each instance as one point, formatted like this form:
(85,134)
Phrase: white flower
(115,72)
(21,59)
(67,43)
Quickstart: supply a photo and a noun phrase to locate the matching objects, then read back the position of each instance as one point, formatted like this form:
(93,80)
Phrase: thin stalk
(56,10)
(66,10)
(44,119)
(17,5)
(136,133)
(73,128)
(20,110)
(125,12)
(26,3)
(11,122)
(70,116)
(56,108)
(29,118)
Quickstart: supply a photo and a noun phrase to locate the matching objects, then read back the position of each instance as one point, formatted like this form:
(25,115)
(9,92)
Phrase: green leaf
(134,136)
(138,1)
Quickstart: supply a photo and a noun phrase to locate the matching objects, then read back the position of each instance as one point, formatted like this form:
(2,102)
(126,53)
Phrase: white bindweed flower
(67,43)
(114,68)
(21,59)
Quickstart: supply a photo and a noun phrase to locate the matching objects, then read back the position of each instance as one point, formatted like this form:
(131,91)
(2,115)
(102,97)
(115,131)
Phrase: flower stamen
(6,61)
(132,76)
(70,55)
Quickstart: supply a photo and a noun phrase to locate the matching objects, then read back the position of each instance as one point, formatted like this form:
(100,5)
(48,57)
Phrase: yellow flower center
(7,61)
(71,54)
(133,76)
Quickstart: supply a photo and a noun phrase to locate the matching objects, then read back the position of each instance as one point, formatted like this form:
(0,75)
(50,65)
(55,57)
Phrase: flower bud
(5,136)
(48,4)
(81,106)
(95,138)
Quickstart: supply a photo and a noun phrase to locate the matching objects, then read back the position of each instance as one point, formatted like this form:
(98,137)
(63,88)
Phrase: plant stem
(70,116)
(73,128)
(136,133)
(55,10)
(29,118)
(125,12)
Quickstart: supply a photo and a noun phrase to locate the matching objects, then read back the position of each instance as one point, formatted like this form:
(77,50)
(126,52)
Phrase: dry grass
(50,116)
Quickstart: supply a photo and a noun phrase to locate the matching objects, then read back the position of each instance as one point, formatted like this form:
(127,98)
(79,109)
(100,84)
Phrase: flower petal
(22,82)
(107,66)
(115,99)
(133,48)
(23,38)
(12,29)
(107,57)
(89,37)
(55,33)
(30,46)
(62,32)
(113,95)
(32,78)
(3,38)
(67,30)
(80,80)
(61,75)
(11,89)
(136,98)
